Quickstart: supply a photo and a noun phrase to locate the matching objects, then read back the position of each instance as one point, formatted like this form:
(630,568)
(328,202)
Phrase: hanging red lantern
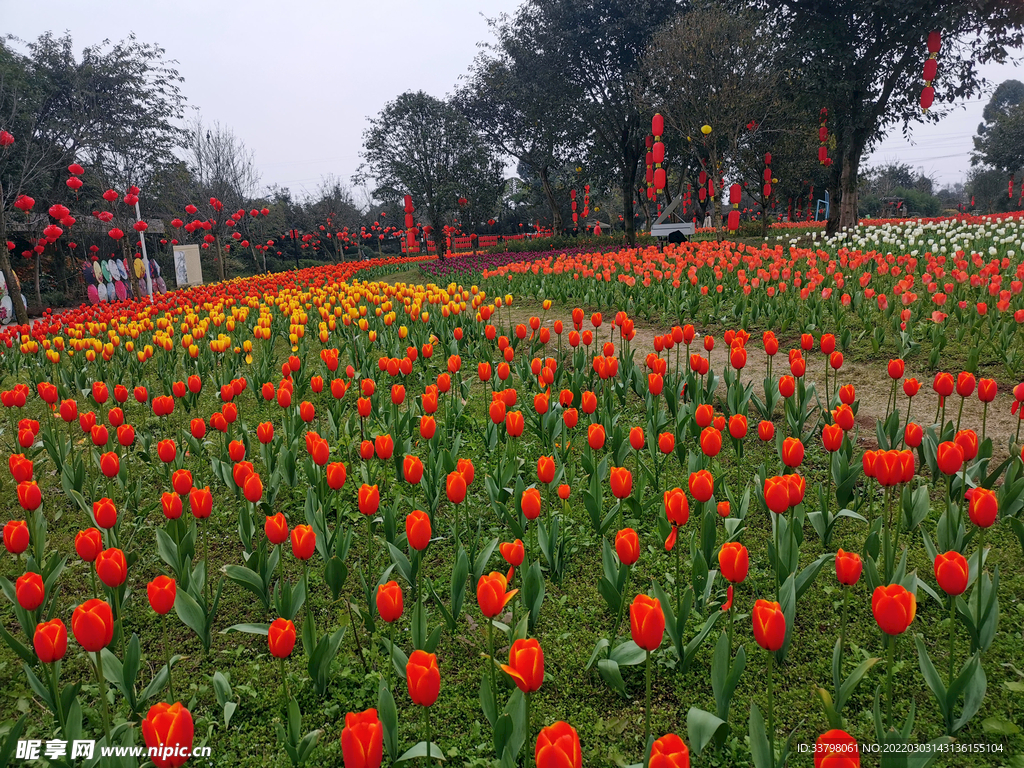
(734,220)
(735,191)
(659,152)
(934,41)
(657,125)
(659,179)
(822,154)
(767,190)
(927,97)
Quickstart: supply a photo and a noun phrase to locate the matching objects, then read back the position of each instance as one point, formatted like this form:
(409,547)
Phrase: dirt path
(871,380)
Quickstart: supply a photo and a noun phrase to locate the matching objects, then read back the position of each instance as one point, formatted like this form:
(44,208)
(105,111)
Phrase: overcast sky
(297,80)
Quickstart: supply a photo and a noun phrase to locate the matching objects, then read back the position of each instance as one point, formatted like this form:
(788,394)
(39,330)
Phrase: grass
(572,620)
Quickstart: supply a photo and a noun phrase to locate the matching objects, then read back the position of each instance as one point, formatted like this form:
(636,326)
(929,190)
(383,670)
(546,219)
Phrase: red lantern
(659,152)
(659,179)
(734,220)
(734,194)
(767,190)
(823,151)
(657,125)
(927,97)
(934,41)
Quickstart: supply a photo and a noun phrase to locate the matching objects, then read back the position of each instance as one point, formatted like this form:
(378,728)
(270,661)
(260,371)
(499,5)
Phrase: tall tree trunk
(35,281)
(13,284)
(628,182)
(556,214)
(848,203)
(221,267)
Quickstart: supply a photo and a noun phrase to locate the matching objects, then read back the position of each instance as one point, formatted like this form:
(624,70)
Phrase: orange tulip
(525,665)
(894,608)
(769,625)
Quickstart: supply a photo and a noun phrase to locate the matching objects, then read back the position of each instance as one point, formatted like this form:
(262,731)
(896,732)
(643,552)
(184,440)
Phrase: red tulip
(29,590)
(627,546)
(88,544)
(769,625)
(848,567)
(362,740)
(169,733)
(161,592)
(621,480)
(733,562)
(558,746)
(200,501)
(983,507)
(369,499)
(93,625)
(50,641)
(423,678)
(952,572)
(836,749)
(389,601)
(417,529)
(670,751)
(111,567)
(281,638)
(646,622)
(525,665)
(894,608)
(491,595)
(303,542)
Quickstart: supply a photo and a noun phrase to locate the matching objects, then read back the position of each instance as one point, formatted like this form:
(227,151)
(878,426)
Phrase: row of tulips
(405,449)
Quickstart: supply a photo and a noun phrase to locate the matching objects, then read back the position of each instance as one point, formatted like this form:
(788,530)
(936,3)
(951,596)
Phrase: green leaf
(420,750)
(759,749)
(628,654)
(252,629)
(190,613)
(999,726)
(610,674)
(702,727)
(388,714)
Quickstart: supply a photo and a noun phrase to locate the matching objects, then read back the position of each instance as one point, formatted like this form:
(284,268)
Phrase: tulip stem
(771,710)
(391,646)
(981,579)
(887,552)
(679,584)
(92,575)
(369,545)
(622,606)
(960,413)
(490,660)
(102,682)
(952,638)
(284,686)
(888,680)
(206,564)
(842,634)
(647,704)
(167,659)
(984,418)
(56,697)
(426,718)
(526,696)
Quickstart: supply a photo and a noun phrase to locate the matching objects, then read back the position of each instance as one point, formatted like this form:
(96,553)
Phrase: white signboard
(188,268)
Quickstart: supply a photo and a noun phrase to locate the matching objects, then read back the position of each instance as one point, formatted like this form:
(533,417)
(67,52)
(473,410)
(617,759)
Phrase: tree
(113,110)
(514,100)
(425,147)
(222,168)
(595,47)
(712,66)
(863,60)
(999,144)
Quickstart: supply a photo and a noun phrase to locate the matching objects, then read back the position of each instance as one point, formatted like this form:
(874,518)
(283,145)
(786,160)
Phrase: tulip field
(719,504)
